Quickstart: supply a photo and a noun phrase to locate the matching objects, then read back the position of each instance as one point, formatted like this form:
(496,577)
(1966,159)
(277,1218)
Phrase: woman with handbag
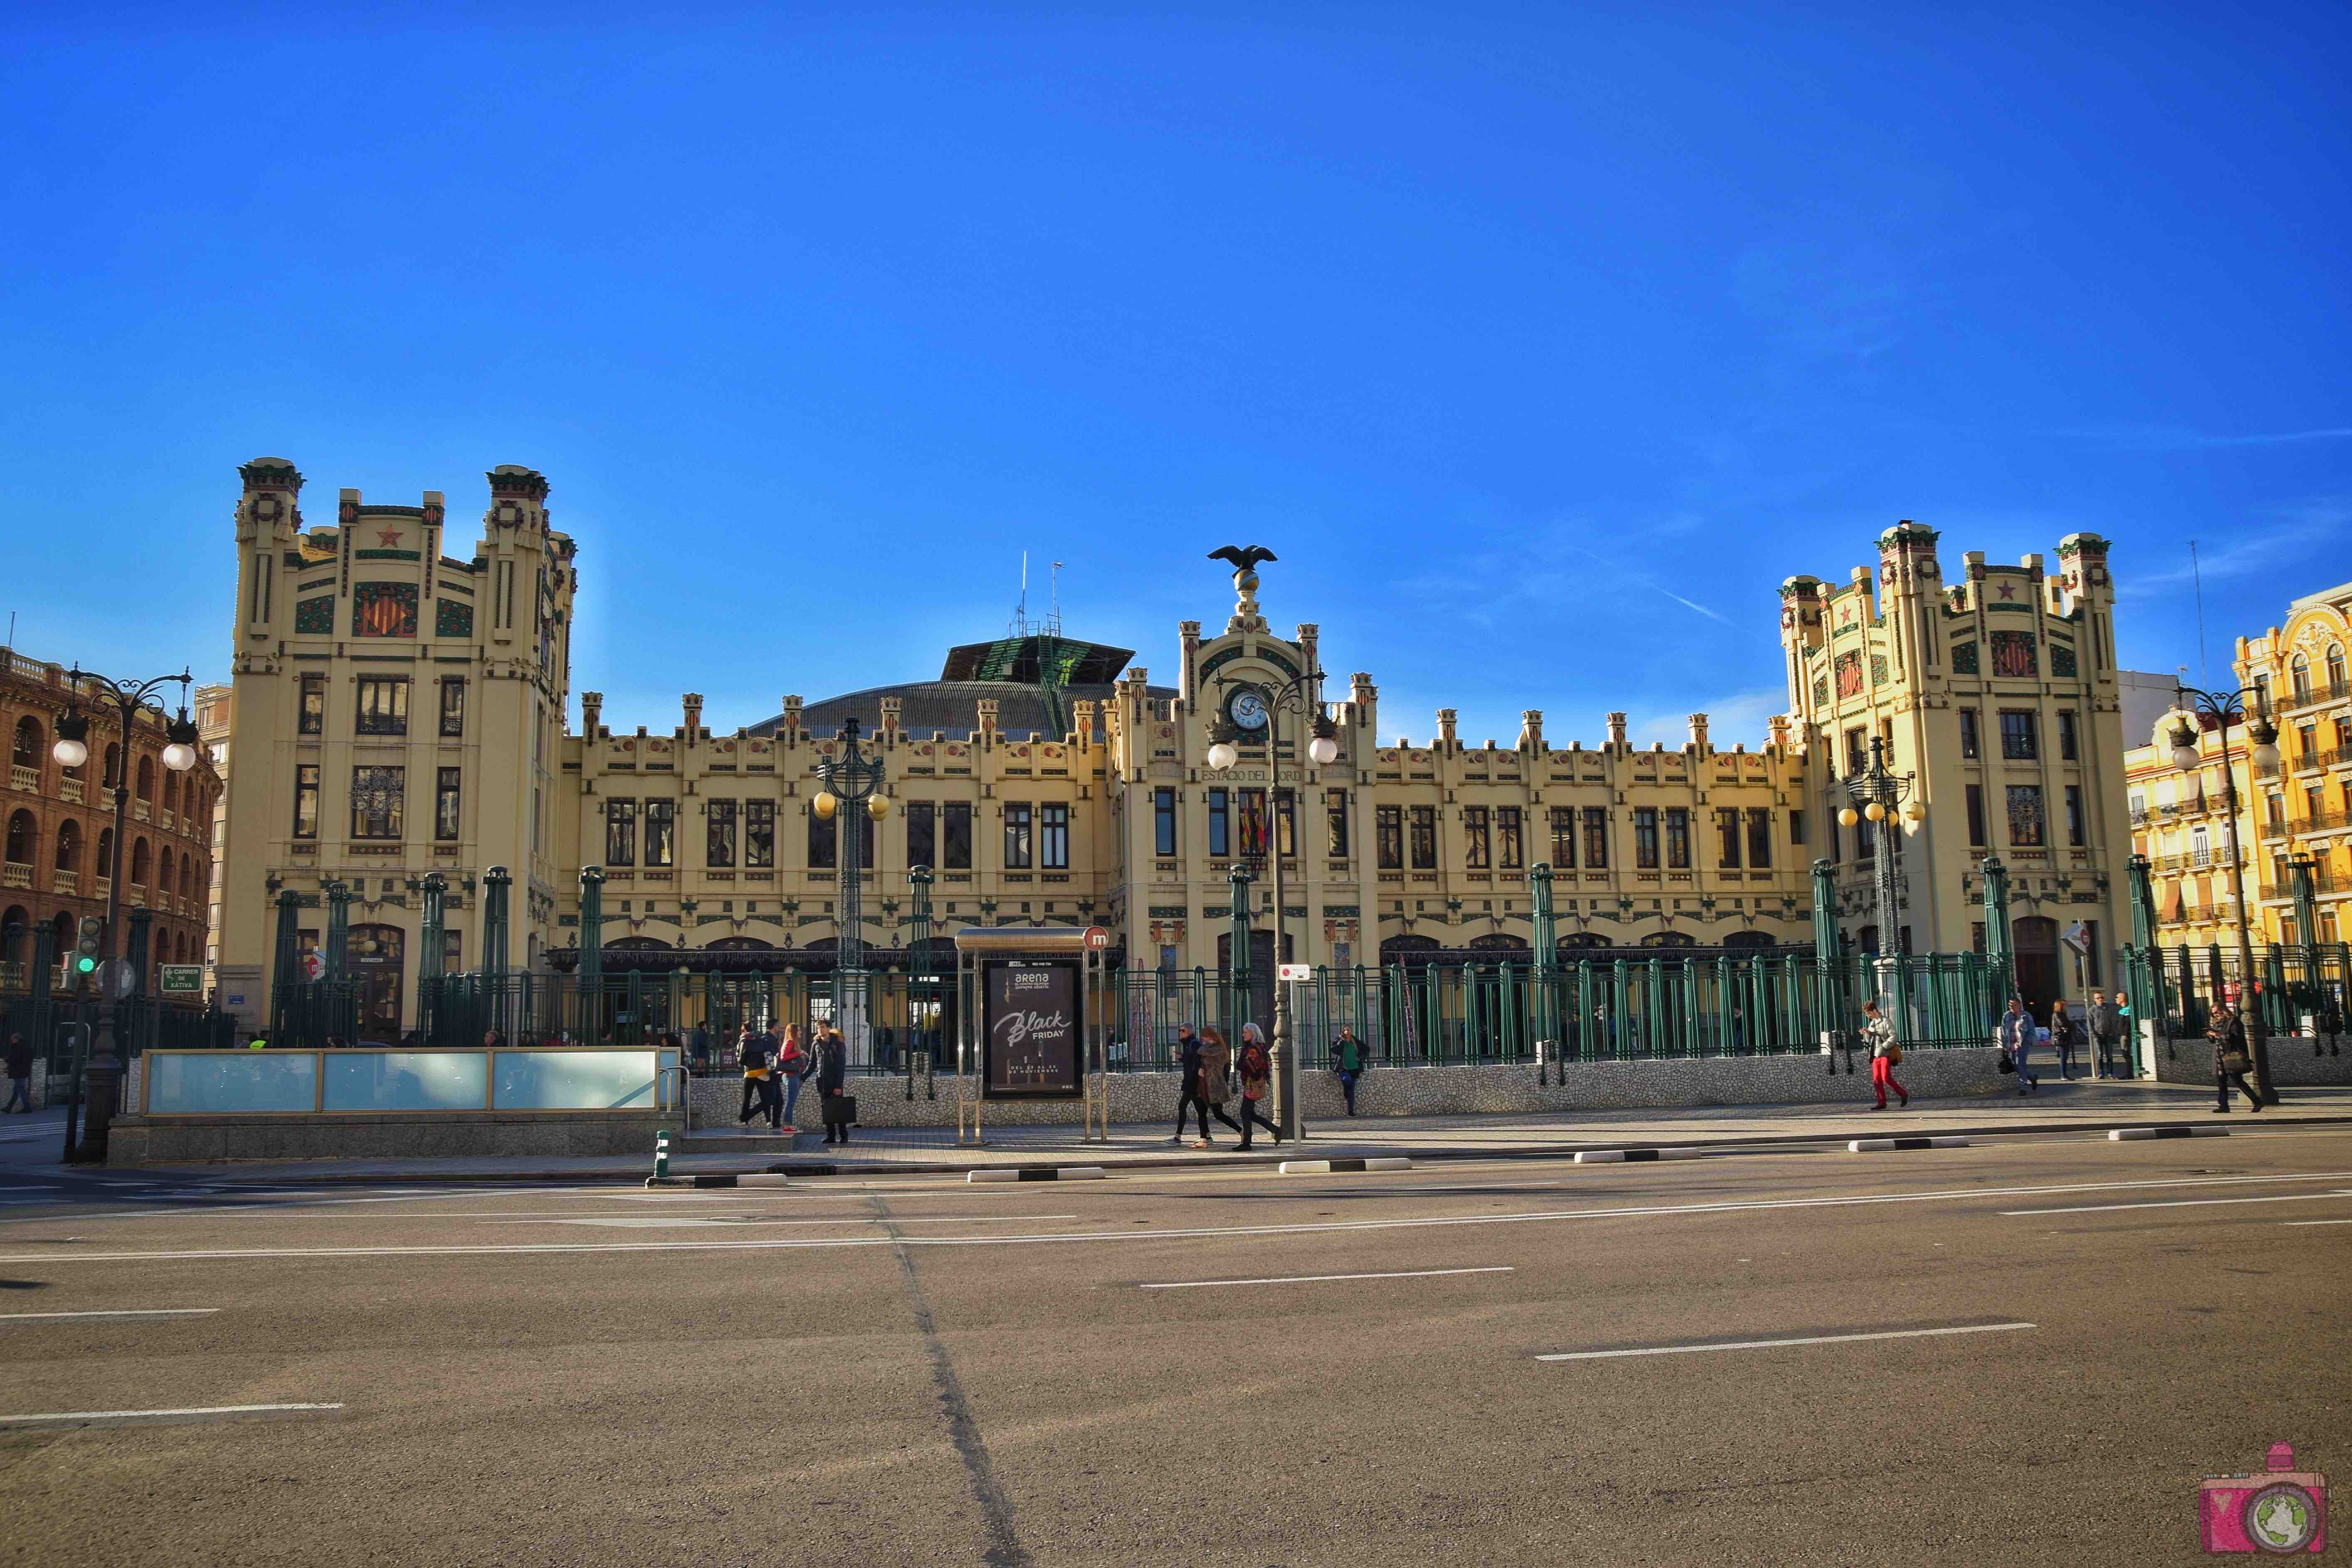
(832,1077)
(1256,1070)
(792,1067)
(2066,1036)
(2230,1062)
(1216,1056)
(1884,1054)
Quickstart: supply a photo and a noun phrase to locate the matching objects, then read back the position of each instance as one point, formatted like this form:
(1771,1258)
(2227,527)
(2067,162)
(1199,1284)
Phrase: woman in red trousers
(1883,1056)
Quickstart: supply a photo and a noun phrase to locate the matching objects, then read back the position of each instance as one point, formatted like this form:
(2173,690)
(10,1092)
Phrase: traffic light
(85,960)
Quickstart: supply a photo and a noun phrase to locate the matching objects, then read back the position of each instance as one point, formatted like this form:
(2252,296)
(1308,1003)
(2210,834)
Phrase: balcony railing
(15,875)
(2196,861)
(69,790)
(2314,695)
(65,882)
(26,778)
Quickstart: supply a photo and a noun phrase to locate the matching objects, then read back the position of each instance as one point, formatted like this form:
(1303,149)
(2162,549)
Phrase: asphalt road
(916,1371)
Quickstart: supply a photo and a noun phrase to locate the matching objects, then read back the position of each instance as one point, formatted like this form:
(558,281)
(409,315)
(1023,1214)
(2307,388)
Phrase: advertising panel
(1033,1041)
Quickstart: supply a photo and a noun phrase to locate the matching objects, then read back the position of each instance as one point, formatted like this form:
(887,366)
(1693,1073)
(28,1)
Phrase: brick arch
(68,854)
(27,750)
(142,861)
(146,779)
(24,837)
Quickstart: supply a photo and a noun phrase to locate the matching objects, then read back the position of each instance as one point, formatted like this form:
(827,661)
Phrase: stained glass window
(383,610)
(2026,825)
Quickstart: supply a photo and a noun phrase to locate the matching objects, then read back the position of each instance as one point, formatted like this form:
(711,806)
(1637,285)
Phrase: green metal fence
(2180,984)
(1621,1007)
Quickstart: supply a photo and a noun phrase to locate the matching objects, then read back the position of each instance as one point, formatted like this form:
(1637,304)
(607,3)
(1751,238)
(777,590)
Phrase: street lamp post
(1879,794)
(102,1077)
(1247,709)
(2219,710)
(852,779)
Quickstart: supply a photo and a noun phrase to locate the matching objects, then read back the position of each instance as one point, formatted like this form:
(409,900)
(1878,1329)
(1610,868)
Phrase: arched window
(65,929)
(1498,941)
(2336,671)
(2298,674)
(103,866)
(1669,940)
(1576,941)
(147,778)
(163,873)
(142,863)
(15,934)
(68,845)
(1749,939)
(171,791)
(27,750)
(23,835)
(112,777)
(187,876)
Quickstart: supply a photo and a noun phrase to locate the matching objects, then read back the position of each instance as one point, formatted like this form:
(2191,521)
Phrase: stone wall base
(172,1140)
(1427,1091)
(2292,1062)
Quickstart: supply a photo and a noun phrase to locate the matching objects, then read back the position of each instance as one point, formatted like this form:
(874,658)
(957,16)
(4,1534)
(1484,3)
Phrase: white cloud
(1731,719)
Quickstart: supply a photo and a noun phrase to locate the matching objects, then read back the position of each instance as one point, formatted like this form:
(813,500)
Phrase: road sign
(1295,971)
(180,979)
(1097,938)
(313,965)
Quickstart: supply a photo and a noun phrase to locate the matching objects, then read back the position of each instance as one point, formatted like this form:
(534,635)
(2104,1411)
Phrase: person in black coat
(20,1074)
(1188,1082)
(2230,1062)
(832,1077)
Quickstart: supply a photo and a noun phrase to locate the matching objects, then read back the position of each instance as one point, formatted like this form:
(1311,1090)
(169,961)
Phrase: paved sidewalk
(2059,1107)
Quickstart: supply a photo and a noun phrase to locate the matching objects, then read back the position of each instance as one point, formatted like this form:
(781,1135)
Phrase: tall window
(1968,743)
(1857,748)
(1335,824)
(955,835)
(1220,843)
(620,833)
(823,841)
(1596,838)
(313,718)
(1563,838)
(2026,826)
(923,833)
(1678,839)
(2068,745)
(1053,836)
(1760,838)
(2075,825)
(1016,835)
(1387,836)
(661,831)
(1477,852)
(1976,817)
(2019,741)
(1797,828)
(759,833)
(448,784)
(306,807)
(1163,820)
(1285,823)
(1510,839)
(384,705)
(453,707)
(1645,838)
(376,801)
(1251,806)
(719,832)
(1424,838)
(1727,827)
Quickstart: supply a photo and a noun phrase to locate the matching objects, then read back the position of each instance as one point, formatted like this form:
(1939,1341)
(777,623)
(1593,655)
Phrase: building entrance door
(2037,974)
(375,960)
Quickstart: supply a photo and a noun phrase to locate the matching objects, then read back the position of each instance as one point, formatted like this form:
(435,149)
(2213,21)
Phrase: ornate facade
(1047,781)
(60,825)
(2298,809)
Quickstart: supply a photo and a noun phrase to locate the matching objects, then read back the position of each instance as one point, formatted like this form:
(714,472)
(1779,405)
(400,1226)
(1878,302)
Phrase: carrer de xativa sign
(1032,1039)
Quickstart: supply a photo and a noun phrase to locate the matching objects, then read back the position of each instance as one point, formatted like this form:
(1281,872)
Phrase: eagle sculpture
(1244,557)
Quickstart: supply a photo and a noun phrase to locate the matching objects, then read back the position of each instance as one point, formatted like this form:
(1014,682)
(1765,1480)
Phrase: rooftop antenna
(2197,575)
(1020,627)
(1054,622)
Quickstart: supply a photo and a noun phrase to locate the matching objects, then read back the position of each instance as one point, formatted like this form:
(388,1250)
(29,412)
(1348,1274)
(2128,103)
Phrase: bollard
(661,1152)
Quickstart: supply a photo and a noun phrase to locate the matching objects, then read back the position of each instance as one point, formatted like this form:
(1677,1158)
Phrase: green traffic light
(85,964)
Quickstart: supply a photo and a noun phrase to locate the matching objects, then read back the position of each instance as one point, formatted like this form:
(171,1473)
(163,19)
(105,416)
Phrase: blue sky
(1541,345)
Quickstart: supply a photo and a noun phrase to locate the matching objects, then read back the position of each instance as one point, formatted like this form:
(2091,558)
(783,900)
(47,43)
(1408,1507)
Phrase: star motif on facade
(2009,591)
(388,536)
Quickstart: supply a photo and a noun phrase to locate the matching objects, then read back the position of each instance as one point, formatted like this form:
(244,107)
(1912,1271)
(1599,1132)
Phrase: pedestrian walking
(1348,1060)
(2230,1064)
(2064,1035)
(1256,1070)
(754,1060)
(792,1067)
(698,1048)
(20,1075)
(1216,1058)
(2106,1026)
(832,1077)
(2017,1037)
(1188,1079)
(1884,1054)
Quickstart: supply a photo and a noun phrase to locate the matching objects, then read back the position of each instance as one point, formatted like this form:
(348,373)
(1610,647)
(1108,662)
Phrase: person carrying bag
(832,1078)
(1256,1070)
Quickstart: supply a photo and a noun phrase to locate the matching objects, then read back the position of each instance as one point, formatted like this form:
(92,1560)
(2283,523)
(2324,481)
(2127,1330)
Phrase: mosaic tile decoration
(383,610)
(315,617)
(452,618)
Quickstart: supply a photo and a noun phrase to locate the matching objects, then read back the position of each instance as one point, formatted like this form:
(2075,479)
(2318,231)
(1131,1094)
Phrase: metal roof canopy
(1039,659)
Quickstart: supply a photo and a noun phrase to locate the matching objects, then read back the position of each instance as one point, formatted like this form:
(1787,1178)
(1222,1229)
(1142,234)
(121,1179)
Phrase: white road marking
(1776,1343)
(1321,1279)
(1202,1233)
(2179,1202)
(653,1221)
(121,1313)
(2315,1222)
(132,1417)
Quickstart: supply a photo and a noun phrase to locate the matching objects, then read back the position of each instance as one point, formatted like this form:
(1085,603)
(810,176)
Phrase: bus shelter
(1033,1022)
